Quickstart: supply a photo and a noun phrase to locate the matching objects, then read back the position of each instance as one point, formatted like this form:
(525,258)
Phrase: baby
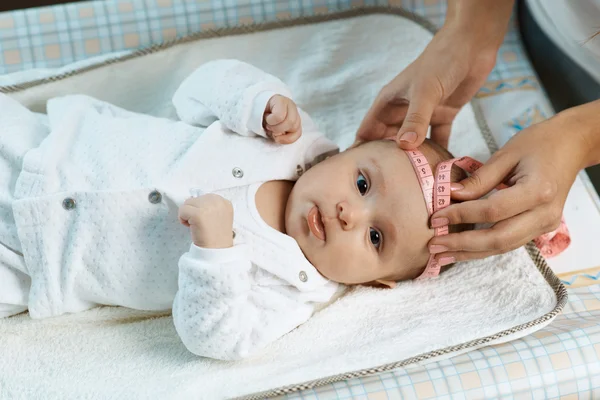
(241,217)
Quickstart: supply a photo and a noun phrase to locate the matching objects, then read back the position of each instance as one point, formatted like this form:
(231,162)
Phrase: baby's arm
(218,311)
(234,92)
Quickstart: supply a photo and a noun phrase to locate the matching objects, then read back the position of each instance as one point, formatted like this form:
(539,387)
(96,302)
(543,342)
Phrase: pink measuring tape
(436,191)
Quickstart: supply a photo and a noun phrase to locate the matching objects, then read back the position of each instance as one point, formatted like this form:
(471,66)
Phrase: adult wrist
(481,24)
(583,129)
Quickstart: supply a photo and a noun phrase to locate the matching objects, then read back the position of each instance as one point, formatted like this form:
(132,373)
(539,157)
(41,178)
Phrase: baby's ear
(381,283)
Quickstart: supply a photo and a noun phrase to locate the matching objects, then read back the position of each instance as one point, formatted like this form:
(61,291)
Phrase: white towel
(335,69)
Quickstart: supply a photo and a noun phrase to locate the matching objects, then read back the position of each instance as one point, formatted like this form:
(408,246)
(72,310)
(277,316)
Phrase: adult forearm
(484,22)
(583,123)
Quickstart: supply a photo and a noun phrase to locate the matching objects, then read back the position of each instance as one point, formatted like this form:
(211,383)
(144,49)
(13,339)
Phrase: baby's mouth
(315,223)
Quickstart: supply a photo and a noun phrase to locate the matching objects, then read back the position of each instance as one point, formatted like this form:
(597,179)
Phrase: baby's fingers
(187,213)
(288,126)
(184,222)
(288,138)
(275,119)
(278,113)
(290,121)
(291,127)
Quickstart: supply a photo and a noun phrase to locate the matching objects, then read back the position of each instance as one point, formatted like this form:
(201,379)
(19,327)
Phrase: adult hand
(451,69)
(539,165)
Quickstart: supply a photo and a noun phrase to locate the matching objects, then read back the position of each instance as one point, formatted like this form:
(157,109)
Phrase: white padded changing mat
(335,67)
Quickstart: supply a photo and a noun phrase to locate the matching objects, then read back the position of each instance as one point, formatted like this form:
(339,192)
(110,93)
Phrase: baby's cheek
(343,265)
(326,264)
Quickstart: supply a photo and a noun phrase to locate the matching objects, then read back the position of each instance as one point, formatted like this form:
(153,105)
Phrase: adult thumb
(485,179)
(413,131)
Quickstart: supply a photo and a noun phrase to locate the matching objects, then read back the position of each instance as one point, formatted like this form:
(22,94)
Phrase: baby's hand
(281,120)
(210,219)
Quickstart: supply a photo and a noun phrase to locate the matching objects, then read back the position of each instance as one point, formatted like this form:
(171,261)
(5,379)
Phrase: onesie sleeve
(231,91)
(219,311)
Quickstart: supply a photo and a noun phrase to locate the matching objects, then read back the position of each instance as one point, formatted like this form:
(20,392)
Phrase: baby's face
(360,217)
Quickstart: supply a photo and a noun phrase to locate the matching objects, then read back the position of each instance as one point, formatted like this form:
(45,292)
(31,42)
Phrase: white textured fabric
(96,212)
(334,69)
(214,90)
(232,302)
(31,129)
(14,283)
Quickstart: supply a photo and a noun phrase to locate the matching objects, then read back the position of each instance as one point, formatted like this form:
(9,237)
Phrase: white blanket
(335,69)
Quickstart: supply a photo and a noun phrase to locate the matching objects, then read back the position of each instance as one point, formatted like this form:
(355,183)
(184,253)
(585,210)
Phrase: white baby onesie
(96,212)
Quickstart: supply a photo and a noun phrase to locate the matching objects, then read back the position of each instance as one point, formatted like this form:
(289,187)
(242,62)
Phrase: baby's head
(360,217)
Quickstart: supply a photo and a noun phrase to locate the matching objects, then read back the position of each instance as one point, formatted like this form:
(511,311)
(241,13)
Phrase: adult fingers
(441,124)
(413,131)
(500,238)
(441,134)
(498,207)
(486,178)
(452,257)
(357,142)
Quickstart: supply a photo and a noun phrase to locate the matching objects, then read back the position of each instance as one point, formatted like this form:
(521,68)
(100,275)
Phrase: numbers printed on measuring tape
(436,192)
(427,182)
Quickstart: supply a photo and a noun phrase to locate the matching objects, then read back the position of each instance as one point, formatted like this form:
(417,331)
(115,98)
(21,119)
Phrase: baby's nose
(349,215)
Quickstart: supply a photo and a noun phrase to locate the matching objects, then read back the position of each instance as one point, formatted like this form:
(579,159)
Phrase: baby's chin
(402,274)
(334,273)
(332,277)
(312,257)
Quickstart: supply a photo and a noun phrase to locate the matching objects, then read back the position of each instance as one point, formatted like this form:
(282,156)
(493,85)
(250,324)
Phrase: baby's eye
(362,184)
(375,237)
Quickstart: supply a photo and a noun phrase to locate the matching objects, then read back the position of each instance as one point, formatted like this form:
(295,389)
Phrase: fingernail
(438,222)
(456,186)
(437,248)
(446,260)
(408,137)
